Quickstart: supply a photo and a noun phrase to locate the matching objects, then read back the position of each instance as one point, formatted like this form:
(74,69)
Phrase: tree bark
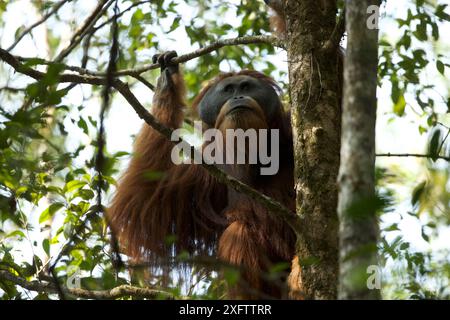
(358,231)
(316,120)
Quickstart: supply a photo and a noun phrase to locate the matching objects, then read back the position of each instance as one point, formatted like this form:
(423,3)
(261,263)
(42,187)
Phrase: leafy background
(48,136)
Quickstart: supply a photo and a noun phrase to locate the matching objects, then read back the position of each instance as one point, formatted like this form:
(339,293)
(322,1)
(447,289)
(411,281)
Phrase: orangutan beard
(244,132)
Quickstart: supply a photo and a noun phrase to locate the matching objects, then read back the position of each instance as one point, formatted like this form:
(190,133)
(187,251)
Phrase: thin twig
(84,59)
(333,42)
(56,284)
(95,29)
(144,81)
(205,50)
(55,9)
(416,155)
(12,89)
(180,59)
(443,142)
(84,29)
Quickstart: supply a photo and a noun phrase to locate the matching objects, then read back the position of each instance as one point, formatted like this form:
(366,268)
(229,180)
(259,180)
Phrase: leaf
(395,91)
(417,192)
(441,14)
(435,31)
(175,24)
(392,227)
(404,246)
(399,106)
(21,191)
(46,246)
(421,31)
(74,185)
(231,276)
(85,194)
(15,233)
(433,149)
(120,154)
(440,67)
(425,236)
(279,267)
(50,211)
(137,16)
(83,125)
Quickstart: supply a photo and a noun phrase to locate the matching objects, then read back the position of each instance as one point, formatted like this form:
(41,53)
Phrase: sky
(394,134)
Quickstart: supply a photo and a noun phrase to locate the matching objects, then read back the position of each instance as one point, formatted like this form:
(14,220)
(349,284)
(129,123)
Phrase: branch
(202,51)
(443,141)
(95,29)
(144,81)
(12,89)
(55,9)
(337,34)
(274,207)
(413,155)
(84,29)
(16,64)
(114,293)
(180,59)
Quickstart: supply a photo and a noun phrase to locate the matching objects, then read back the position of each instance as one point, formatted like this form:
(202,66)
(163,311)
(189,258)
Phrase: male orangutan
(205,216)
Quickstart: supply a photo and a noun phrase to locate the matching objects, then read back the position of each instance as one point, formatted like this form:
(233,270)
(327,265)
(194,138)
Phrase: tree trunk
(316,120)
(358,230)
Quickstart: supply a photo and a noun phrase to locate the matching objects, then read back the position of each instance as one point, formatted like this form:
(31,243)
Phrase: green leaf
(421,31)
(417,192)
(433,148)
(231,276)
(137,16)
(85,194)
(435,31)
(441,14)
(395,91)
(50,211)
(440,66)
(399,106)
(21,191)
(425,236)
(46,246)
(120,154)
(392,227)
(175,24)
(74,185)
(404,246)
(15,233)
(83,125)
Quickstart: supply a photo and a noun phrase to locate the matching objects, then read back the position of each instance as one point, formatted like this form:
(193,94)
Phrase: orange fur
(278,18)
(205,216)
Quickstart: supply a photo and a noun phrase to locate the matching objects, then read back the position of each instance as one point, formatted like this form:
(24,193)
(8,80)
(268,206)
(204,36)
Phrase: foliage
(406,63)
(48,141)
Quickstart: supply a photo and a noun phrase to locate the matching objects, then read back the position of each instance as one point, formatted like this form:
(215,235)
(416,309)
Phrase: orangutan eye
(228,88)
(244,86)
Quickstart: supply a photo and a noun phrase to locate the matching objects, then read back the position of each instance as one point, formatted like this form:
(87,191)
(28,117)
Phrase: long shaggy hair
(160,209)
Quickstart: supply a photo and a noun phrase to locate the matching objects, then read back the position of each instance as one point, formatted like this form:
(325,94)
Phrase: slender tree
(358,231)
(312,38)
